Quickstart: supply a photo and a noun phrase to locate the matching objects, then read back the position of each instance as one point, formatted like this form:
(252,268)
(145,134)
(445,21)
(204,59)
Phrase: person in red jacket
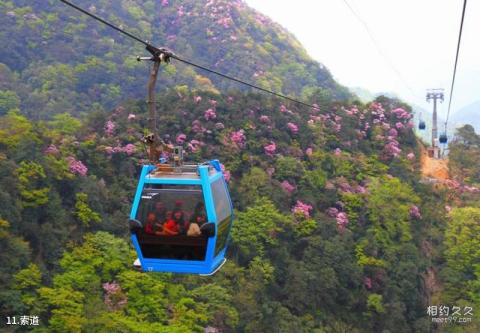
(170,227)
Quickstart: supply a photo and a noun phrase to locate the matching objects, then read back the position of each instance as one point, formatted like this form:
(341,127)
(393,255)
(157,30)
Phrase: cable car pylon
(434,94)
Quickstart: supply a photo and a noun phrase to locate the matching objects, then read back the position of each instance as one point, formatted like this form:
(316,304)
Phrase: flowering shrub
(302,209)
(238,138)
(264,119)
(77,167)
(292,128)
(287,187)
(210,114)
(114,298)
(109,128)
(270,149)
(415,212)
(180,140)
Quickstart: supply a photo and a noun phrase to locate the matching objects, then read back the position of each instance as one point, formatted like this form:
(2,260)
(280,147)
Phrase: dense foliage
(60,61)
(333,229)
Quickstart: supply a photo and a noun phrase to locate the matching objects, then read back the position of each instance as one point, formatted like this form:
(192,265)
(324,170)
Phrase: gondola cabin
(421,125)
(167,202)
(443,138)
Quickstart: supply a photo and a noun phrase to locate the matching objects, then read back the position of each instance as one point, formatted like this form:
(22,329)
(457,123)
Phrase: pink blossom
(270,149)
(411,156)
(264,119)
(415,212)
(287,187)
(367,282)
(197,126)
(393,133)
(76,167)
(338,152)
(302,209)
(399,125)
(360,189)
(448,208)
(195,145)
(129,149)
(210,114)
(283,108)
(392,149)
(109,127)
(238,138)
(344,186)
(180,140)
(164,3)
(197,99)
(114,298)
(180,11)
(332,212)
(401,113)
(213,103)
(309,151)
(315,108)
(131,116)
(51,150)
(342,220)
(293,128)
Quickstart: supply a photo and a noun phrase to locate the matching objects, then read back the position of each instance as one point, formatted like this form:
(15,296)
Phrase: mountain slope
(62,58)
(469,114)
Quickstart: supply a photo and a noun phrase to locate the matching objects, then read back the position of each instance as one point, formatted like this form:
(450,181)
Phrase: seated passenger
(170,228)
(178,217)
(201,220)
(194,228)
(150,224)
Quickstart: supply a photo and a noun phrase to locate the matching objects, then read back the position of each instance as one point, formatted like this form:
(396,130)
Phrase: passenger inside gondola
(150,224)
(179,218)
(170,227)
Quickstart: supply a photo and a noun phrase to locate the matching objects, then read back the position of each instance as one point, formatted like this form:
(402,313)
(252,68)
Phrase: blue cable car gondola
(195,190)
(421,125)
(443,138)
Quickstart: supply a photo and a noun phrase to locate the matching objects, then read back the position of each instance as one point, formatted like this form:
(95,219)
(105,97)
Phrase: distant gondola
(421,125)
(443,138)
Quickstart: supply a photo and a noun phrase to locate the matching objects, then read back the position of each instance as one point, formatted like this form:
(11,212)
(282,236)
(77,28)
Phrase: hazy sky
(419,37)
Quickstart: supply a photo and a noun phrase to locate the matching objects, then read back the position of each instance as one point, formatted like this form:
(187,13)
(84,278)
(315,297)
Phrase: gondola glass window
(223,210)
(159,205)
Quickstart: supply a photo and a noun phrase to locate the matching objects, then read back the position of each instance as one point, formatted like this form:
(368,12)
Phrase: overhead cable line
(379,50)
(171,55)
(456,61)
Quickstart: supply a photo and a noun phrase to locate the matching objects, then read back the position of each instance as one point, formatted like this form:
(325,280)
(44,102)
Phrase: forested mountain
(64,61)
(334,231)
